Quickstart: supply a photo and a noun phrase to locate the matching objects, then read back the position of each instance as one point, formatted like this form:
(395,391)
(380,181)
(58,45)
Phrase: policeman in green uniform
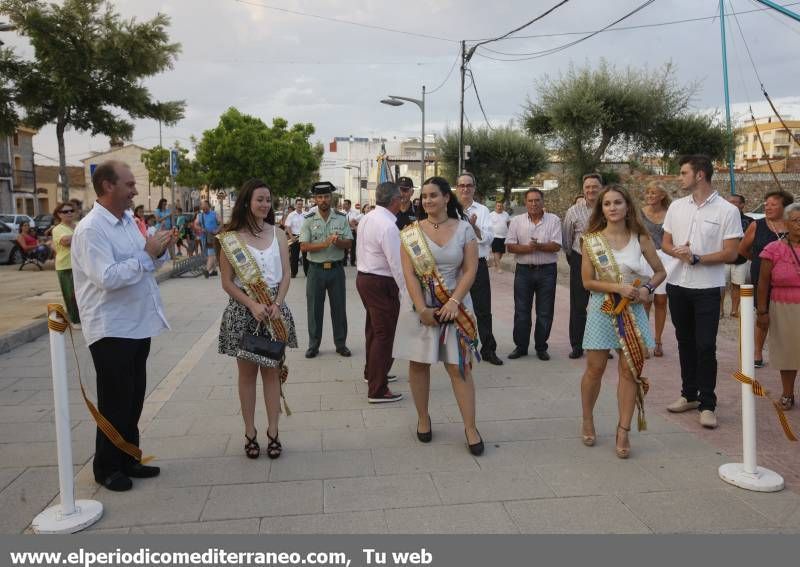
(325,236)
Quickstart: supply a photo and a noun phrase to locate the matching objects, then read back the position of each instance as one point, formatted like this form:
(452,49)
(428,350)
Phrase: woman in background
(64,214)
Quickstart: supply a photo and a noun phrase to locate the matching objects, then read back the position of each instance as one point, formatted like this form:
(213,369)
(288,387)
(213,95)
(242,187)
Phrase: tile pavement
(349,467)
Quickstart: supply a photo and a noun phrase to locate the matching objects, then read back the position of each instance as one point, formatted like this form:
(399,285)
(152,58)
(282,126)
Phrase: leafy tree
(690,134)
(88,68)
(501,157)
(10,70)
(243,146)
(587,112)
(156,161)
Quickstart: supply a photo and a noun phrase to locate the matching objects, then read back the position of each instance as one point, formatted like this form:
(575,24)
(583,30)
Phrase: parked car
(43,223)
(9,250)
(15,220)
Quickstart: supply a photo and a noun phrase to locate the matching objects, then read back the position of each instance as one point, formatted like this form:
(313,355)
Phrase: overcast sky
(256,56)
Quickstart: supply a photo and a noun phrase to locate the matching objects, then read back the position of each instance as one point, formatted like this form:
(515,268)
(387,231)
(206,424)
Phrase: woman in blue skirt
(613,245)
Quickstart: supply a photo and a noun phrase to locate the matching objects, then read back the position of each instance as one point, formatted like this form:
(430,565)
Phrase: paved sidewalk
(348,466)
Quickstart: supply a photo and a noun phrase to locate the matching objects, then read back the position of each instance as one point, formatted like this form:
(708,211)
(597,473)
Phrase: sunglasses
(66,211)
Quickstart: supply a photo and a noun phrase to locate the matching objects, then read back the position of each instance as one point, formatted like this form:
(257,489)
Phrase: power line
(480,104)
(342,21)
(450,72)
(523,26)
(640,26)
(749,55)
(551,51)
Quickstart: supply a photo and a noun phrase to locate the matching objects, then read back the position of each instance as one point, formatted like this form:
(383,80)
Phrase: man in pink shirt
(535,238)
(379,280)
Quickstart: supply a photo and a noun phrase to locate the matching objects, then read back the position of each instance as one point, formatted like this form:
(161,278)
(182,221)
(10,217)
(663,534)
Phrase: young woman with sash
(612,246)
(436,323)
(255,274)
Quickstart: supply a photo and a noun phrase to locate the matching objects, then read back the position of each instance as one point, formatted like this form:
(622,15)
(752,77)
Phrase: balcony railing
(23,180)
(5,169)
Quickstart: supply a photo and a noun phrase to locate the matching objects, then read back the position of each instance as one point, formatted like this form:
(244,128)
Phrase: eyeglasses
(465,185)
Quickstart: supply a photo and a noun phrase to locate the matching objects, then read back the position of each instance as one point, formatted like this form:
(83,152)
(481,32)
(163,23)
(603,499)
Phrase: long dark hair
(454,208)
(633,221)
(160,203)
(242,217)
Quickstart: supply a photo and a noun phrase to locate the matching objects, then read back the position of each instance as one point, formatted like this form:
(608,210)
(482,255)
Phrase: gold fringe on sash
(60,326)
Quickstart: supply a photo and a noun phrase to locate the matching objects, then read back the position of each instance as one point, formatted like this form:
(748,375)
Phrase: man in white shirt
(293,224)
(379,280)
(353,216)
(535,238)
(116,291)
(500,220)
(481,291)
(702,230)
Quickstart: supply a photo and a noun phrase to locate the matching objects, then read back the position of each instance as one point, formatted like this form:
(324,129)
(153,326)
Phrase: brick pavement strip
(349,467)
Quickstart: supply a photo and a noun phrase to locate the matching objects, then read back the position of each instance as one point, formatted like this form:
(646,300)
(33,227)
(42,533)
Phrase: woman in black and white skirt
(253,218)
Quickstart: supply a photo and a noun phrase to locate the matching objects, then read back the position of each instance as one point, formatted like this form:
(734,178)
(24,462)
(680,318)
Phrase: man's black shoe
(517,353)
(542,354)
(142,471)
(492,358)
(576,353)
(117,482)
(312,352)
(344,351)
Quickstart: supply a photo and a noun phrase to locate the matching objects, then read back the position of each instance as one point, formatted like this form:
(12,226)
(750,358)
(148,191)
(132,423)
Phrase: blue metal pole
(727,95)
(780,9)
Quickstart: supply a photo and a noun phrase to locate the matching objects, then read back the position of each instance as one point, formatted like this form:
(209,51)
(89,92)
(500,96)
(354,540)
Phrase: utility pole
(461,114)
(727,96)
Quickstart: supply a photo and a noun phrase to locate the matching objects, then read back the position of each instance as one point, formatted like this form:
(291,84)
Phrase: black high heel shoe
(428,435)
(476,448)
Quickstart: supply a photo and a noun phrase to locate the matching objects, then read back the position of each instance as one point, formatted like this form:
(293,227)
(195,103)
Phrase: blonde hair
(665,198)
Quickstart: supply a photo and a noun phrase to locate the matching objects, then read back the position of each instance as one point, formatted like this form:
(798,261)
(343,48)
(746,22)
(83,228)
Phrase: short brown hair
(592,176)
(699,162)
(106,171)
(787,198)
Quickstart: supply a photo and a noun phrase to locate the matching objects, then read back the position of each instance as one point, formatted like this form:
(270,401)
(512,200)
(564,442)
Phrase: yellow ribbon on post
(60,326)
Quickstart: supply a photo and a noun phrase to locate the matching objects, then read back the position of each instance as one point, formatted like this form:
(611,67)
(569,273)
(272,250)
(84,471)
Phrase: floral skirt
(237,320)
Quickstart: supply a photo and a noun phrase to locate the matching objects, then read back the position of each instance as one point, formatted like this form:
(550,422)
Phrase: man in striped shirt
(535,238)
(575,222)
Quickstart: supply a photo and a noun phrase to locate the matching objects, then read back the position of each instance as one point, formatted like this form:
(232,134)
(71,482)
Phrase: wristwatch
(695,259)
(650,289)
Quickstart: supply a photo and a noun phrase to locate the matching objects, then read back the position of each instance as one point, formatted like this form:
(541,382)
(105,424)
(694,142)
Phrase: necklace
(436,224)
(779,234)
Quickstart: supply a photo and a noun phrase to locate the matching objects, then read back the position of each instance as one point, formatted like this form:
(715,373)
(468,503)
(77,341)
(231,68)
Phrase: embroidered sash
(620,317)
(248,272)
(425,267)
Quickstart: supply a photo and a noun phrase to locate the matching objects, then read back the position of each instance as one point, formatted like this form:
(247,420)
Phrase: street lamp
(394,100)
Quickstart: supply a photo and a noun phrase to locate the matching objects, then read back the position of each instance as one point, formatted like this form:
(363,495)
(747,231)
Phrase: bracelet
(454,300)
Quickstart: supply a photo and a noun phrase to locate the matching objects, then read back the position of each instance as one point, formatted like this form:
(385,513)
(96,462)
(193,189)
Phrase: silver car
(9,250)
(15,220)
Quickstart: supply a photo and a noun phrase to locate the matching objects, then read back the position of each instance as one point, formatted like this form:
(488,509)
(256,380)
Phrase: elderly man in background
(379,281)
(481,291)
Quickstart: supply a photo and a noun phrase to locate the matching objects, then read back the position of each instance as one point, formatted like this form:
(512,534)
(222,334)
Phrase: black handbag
(260,349)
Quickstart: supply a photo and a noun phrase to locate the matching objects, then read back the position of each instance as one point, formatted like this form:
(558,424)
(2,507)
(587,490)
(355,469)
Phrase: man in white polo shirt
(702,230)
(293,223)
(481,291)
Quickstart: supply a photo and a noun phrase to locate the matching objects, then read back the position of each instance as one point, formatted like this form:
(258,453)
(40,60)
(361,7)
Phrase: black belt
(481,259)
(326,265)
(536,266)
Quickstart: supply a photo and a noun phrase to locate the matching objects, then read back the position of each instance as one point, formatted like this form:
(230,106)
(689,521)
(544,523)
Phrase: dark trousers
(350,253)
(381,300)
(481,294)
(121,380)
(332,282)
(578,300)
(537,282)
(294,259)
(695,316)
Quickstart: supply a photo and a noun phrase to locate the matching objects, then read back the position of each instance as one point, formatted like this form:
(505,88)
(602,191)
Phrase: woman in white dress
(425,334)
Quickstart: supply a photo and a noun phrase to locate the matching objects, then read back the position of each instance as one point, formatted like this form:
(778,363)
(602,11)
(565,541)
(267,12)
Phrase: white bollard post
(748,474)
(70,516)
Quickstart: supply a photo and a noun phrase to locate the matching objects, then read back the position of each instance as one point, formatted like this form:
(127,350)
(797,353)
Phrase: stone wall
(752,187)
